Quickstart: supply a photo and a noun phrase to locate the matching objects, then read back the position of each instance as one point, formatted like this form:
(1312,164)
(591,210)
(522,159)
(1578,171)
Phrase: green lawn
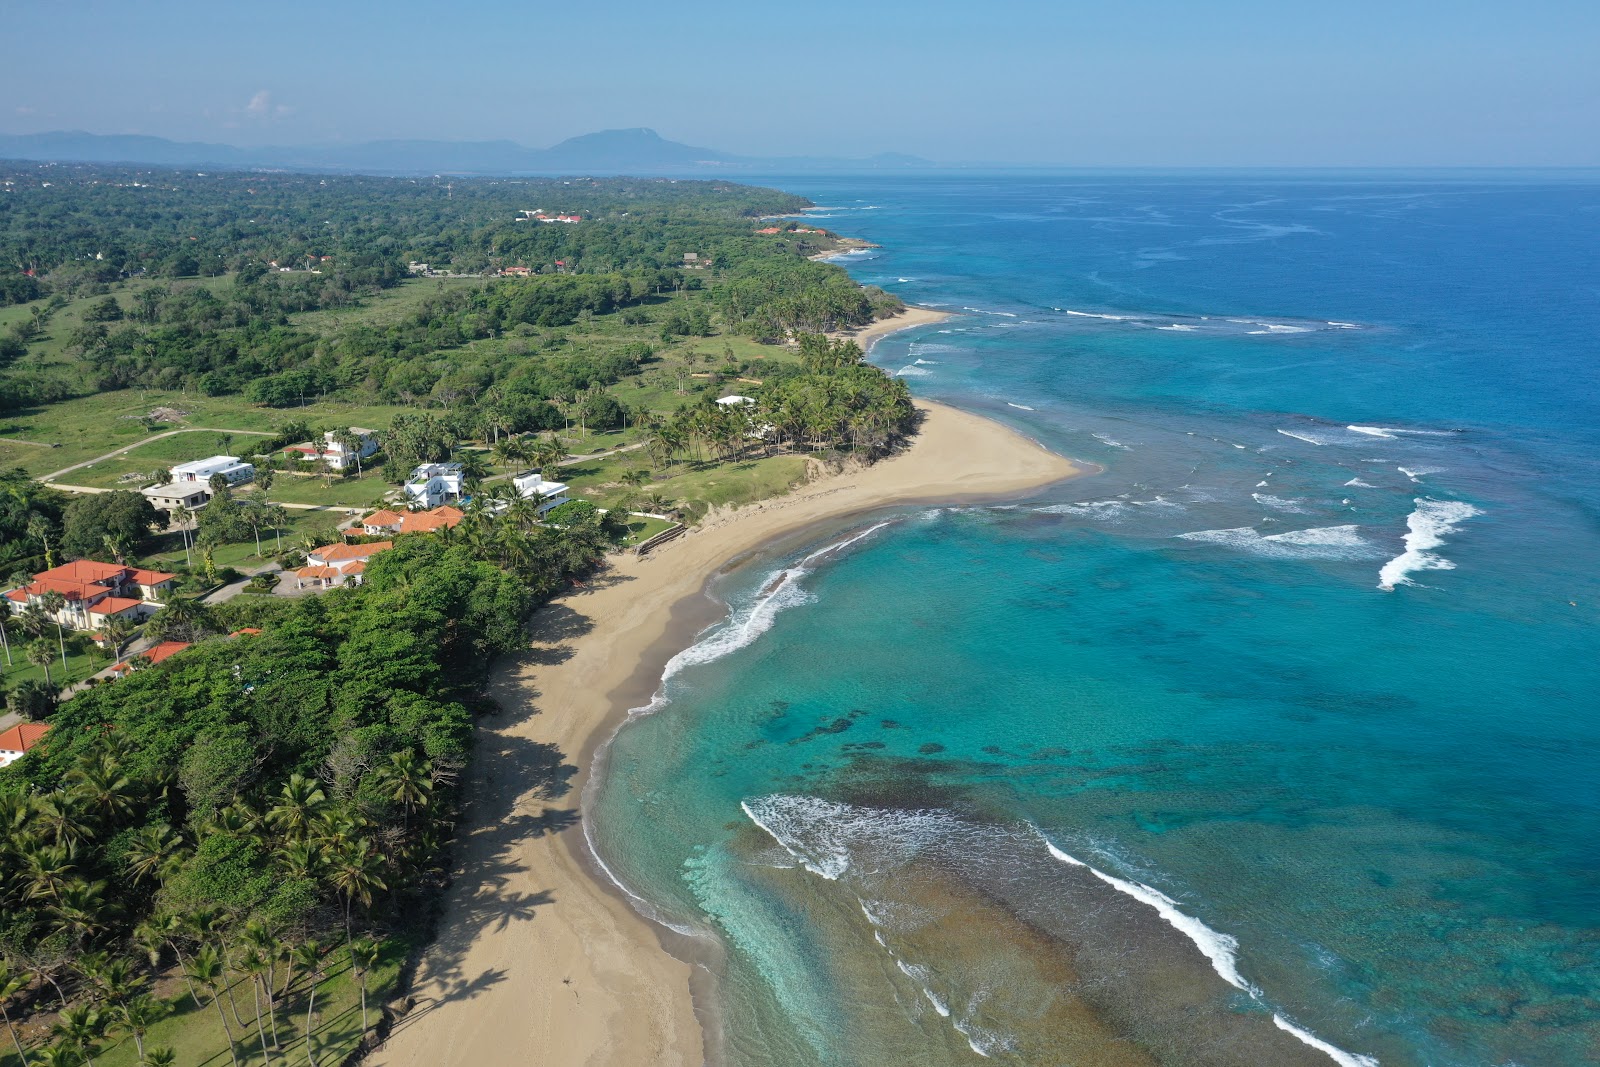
(166,550)
(84,658)
(134,466)
(197,1034)
(364,491)
(641,529)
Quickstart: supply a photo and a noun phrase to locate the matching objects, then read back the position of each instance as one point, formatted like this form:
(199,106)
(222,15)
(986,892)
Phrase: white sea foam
(1390,432)
(824,836)
(1322,542)
(1426,528)
(1107,439)
(911,370)
(782,590)
(1344,325)
(1336,1054)
(1359,484)
(1179,326)
(925,362)
(1221,949)
(1022,407)
(1278,503)
(1416,473)
(1110,510)
(1096,315)
(1307,438)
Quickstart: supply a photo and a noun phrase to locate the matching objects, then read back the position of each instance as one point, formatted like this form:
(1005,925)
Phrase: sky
(1111,83)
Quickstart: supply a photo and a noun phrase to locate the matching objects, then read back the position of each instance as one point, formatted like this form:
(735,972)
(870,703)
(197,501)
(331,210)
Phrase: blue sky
(1139,82)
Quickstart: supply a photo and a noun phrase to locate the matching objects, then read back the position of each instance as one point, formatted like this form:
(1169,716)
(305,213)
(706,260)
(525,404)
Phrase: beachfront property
(385,522)
(539,215)
(150,657)
(92,592)
(333,452)
(15,742)
(335,565)
(433,484)
(530,485)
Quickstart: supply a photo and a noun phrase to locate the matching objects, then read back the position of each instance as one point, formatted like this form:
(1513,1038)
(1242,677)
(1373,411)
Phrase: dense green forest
(82,230)
(205,850)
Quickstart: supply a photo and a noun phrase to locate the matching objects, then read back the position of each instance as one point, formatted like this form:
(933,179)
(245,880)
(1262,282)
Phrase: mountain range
(633,151)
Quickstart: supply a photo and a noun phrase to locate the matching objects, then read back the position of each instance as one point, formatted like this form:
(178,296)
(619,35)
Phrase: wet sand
(538,960)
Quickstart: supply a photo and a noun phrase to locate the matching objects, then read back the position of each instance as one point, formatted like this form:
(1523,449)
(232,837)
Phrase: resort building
(153,655)
(730,401)
(234,471)
(333,452)
(532,486)
(380,523)
(93,592)
(334,565)
(433,484)
(15,742)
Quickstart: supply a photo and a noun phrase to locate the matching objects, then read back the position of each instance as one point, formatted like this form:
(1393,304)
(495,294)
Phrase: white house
(174,495)
(334,453)
(233,470)
(433,484)
(15,742)
(333,565)
(730,401)
(532,486)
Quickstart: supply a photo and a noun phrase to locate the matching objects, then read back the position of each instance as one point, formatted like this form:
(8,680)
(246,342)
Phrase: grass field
(362,491)
(84,658)
(197,1035)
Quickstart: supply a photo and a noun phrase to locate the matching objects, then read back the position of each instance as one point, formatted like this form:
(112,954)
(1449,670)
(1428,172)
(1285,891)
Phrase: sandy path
(537,962)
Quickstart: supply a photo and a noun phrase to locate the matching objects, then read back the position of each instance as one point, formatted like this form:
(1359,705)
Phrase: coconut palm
(206,970)
(115,632)
(356,870)
(308,955)
(161,1057)
(12,984)
(80,1029)
(299,804)
(154,851)
(137,1016)
(39,530)
(406,780)
(100,787)
(255,966)
(364,956)
(62,1055)
(54,603)
(42,655)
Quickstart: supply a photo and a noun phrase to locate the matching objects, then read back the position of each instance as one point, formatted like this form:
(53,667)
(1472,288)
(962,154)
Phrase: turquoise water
(1276,742)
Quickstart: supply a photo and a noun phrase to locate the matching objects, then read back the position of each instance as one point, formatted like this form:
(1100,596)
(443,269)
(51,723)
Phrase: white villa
(433,484)
(92,592)
(172,496)
(234,470)
(730,401)
(335,454)
(532,486)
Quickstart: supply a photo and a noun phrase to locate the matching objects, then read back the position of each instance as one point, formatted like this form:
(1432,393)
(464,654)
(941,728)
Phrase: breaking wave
(1426,528)
(1322,542)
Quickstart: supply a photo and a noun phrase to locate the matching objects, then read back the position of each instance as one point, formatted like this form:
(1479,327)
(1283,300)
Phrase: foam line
(1426,528)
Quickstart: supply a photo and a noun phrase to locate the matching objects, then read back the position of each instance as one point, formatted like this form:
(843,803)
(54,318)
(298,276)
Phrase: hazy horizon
(1156,84)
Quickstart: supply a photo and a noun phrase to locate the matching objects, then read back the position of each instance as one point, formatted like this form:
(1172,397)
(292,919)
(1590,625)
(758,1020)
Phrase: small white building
(334,453)
(234,471)
(730,401)
(532,486)
(433,484)
(176,495)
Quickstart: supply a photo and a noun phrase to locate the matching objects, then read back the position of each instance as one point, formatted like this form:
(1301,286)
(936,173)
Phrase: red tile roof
(250,631)
(317,572)
(111,605)
(340,553)
(383,518)
(144,577)
(156,654)
(84,570)
(23,736)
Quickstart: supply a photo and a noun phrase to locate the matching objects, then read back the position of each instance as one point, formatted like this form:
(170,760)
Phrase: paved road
(125,449)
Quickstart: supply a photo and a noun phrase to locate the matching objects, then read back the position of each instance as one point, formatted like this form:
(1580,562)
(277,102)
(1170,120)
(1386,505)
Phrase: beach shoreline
(539,955)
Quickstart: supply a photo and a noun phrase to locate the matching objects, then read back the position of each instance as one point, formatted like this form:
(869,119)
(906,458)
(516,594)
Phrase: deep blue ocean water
(1308,676)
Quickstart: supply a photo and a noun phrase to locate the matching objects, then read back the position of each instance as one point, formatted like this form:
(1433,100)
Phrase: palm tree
(356,871)
(280,519)
(80,1028)
(10,986)
(54,603)
(265,944)
(364,956)
(137,1016)
(50,868)
(80,911)
(547,456)
(299,804)
(42,655)
(154,851)
(59,1056)
(39,530)
(98,784)
(161,1057)
(473,470)
(309,956)
(115,632)
(252,963)
(206,969)
(182,517)
(407,780)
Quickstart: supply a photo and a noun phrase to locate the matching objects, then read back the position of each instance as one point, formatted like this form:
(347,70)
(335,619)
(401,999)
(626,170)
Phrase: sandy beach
(538,960)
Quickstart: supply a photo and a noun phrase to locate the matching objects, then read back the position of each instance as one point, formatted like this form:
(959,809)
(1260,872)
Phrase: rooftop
(23,736)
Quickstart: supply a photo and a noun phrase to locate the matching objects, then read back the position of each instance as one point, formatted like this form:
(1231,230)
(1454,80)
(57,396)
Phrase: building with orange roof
(404,522)
(93,591)
(15,742)
(155,654)
(333,565)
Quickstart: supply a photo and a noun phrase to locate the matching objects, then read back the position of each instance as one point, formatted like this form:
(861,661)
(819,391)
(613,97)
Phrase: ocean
(1274,741)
